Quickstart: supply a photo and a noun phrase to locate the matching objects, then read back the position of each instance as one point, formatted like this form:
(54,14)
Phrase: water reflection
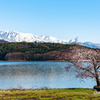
(39,74)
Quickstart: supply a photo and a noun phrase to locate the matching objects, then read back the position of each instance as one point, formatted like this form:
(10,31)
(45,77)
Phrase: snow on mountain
(91,45)
(13,36)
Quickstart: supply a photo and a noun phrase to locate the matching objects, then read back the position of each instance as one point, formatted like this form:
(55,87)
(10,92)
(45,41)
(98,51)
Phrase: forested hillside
(31,51)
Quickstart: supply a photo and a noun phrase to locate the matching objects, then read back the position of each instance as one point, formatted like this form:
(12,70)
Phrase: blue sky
(63,19)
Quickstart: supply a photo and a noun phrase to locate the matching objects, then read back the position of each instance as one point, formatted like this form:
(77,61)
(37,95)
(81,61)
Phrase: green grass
(49,94)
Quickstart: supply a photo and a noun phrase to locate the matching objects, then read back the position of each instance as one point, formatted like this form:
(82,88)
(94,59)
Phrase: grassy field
(50,94)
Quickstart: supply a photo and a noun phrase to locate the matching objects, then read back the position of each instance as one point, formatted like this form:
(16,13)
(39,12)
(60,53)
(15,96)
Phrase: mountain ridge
(13,36)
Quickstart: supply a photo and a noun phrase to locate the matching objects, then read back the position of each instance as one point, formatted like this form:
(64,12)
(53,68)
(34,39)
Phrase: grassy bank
(49,94)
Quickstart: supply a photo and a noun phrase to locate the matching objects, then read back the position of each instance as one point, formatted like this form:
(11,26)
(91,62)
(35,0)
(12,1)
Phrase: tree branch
(82,68)
(98,67)
(88,71)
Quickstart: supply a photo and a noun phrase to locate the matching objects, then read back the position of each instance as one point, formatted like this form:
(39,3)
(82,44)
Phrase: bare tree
(76,39)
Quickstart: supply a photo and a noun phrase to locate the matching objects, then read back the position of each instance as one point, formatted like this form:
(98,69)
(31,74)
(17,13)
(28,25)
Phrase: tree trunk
(97,79)
(97,76)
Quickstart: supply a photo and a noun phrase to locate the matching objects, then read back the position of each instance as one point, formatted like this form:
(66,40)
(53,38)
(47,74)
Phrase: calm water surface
(39,74)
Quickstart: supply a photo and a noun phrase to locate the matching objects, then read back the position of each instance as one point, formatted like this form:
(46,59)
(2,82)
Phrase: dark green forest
(33,51)
(30,51)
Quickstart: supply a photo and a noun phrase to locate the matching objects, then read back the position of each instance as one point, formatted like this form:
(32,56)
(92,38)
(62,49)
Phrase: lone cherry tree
(78,55)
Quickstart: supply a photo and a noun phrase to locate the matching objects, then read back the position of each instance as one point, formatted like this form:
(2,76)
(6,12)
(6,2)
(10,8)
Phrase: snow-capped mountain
(12,36)
(91,45)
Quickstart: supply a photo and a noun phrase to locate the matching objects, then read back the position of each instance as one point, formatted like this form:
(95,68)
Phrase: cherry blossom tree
(78,55)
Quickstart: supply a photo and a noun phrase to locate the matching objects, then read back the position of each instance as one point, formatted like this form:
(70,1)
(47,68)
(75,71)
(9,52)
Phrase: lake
(39,74)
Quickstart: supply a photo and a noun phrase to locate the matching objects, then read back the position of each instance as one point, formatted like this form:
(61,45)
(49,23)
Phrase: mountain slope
(3,41)
(91,45)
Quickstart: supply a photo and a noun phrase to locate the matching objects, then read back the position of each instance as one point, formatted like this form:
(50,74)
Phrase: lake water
(39,74)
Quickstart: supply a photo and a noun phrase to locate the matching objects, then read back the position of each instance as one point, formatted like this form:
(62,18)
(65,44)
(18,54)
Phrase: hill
(31,51)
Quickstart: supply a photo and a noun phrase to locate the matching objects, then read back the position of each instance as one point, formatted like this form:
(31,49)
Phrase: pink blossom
(78,55)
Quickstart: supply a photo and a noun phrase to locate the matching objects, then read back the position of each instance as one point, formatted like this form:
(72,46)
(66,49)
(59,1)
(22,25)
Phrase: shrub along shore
(50,94)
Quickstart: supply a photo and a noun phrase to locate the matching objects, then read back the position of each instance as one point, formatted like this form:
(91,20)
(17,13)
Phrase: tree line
(29,51)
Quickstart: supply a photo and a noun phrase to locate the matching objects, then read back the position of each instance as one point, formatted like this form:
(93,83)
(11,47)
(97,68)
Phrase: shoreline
(37,60)
(44,88)
(48,60)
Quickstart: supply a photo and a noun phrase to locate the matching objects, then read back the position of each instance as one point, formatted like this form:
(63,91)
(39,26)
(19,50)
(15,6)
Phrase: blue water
(39,74)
